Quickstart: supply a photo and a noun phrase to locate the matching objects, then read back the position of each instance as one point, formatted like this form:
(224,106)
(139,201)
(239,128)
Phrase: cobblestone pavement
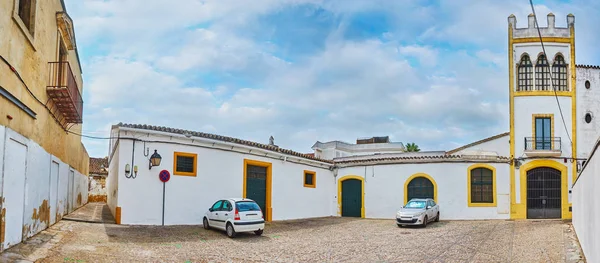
(312,240)
(92,213)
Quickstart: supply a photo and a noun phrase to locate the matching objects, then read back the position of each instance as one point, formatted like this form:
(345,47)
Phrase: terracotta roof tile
(588,66)
(96,165)
(222,138)
(445,157)
(478,142)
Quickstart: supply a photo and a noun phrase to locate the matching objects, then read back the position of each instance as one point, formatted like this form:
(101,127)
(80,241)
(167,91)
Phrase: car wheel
(400,226)
(425,221)
(230,230)
(437,218)
(258,232)
(205,223)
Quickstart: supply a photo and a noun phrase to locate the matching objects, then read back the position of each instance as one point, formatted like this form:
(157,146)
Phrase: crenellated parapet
(550,31)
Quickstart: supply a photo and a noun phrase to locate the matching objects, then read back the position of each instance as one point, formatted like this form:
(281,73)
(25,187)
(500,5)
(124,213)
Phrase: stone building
(43,164)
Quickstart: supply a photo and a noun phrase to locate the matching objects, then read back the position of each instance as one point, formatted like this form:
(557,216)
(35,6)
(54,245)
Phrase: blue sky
(429,72)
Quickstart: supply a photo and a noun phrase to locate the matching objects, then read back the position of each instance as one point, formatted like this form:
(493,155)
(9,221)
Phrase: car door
(431,211)
(213,215)
(226,212)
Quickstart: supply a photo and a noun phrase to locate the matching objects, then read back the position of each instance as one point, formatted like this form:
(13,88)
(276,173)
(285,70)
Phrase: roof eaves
(221,138)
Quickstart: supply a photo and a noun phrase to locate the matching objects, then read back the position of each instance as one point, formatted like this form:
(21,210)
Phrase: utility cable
(551,76)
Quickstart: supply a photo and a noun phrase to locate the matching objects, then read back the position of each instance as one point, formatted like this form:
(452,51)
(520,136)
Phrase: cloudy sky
(423,71)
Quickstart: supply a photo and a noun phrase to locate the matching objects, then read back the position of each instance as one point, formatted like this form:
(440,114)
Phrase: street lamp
(154,160)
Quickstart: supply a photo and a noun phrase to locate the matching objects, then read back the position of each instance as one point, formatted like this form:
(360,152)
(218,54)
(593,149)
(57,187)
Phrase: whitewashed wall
(112,183)
(526,107)
(384,189)
(588,101)
(220,175)
(500,145)
(34,187)
(586,208)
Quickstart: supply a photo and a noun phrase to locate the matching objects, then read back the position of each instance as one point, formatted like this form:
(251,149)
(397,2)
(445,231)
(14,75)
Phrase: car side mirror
(210,209)
(428,207)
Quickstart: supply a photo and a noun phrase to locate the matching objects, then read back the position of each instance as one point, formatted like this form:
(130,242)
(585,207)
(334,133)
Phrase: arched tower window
(525,74)
(542,73)
(559,72)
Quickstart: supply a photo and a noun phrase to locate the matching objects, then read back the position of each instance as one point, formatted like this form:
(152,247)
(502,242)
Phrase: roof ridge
(478,142)
(223,138)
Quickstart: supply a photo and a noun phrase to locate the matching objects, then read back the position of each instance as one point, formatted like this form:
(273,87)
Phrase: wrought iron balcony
(536,146)
(64,98)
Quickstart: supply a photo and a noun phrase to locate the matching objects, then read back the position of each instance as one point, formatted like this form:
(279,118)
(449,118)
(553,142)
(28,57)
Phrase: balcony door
(543,133)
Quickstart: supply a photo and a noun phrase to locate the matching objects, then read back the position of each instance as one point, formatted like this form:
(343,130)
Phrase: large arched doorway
(544,193)
(420,187)
(351,195)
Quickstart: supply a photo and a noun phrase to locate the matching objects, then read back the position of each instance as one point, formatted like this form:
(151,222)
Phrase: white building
(369,146)
(524,173)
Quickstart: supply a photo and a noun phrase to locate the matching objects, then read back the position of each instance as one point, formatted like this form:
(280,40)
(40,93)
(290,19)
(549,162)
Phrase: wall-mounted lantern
(154,160)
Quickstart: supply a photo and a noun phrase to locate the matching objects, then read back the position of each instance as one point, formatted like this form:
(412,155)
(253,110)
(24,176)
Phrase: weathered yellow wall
(31,61)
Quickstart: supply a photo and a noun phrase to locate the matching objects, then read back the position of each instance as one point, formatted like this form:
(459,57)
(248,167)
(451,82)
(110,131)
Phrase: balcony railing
(65,100)
(550,144)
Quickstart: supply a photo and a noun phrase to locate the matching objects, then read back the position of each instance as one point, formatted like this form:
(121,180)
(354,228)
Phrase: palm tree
(412,147)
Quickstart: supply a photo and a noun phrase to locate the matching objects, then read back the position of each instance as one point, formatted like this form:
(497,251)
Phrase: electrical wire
(551,76)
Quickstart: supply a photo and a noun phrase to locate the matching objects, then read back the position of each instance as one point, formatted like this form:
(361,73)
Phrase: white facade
(37,188)
(385,189)
(337,149)
(588,102)
(586,207)
(220,175)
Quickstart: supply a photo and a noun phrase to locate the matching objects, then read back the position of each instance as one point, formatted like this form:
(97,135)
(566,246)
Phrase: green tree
(412,147)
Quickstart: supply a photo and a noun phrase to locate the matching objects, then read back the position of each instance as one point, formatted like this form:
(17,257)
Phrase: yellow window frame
(494,196)
(535,116)
(314,177)
(182,154)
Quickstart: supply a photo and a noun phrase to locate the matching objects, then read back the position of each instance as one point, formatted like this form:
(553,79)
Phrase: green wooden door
(256,186)
(351,198)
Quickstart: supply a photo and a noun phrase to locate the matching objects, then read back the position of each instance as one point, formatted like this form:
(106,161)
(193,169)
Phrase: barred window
(542,73)
(482,186)
(525,74)
(185,164)
(559,71)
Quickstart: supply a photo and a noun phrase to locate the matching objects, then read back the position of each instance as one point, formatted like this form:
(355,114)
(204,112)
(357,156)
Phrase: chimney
(512,21)
(551,20)
(271,140)
(531,21)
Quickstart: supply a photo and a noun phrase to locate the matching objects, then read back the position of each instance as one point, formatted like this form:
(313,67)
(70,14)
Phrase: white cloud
(158,62)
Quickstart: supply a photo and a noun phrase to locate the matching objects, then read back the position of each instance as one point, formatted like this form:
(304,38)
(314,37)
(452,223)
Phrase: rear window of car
(246,206)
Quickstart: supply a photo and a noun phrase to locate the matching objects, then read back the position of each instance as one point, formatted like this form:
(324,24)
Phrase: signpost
(164,176)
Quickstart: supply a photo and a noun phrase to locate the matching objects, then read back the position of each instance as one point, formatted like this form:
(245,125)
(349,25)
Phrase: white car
(235,215)
(418,212)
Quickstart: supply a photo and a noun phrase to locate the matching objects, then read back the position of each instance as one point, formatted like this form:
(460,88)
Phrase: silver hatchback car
(418,212)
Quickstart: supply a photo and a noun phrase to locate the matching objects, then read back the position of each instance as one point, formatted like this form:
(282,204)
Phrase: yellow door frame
(362,198)
(521,209)
(269,166)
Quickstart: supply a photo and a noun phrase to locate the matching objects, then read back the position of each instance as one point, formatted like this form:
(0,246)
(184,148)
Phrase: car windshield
(415,204)
(246,206)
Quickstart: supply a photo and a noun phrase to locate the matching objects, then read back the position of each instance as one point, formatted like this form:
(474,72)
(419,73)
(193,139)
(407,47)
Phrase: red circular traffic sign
(164,176)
